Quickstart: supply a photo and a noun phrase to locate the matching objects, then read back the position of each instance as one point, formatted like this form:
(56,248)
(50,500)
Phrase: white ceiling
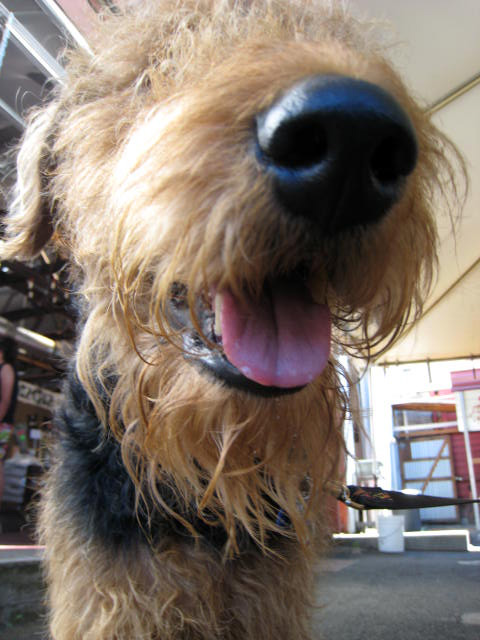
(438,40)
(438,50)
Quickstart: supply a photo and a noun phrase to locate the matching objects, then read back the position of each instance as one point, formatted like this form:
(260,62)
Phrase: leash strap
(363,498)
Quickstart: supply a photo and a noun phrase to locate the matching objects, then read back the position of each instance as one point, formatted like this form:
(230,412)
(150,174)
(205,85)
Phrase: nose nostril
(339,151)
(391,160)
(298,144)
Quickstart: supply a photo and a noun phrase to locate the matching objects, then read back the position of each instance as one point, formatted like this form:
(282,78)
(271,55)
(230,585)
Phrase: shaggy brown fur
(141,172)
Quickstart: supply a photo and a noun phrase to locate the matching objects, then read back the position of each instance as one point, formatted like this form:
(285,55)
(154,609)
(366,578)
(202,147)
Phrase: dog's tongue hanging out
(283,340)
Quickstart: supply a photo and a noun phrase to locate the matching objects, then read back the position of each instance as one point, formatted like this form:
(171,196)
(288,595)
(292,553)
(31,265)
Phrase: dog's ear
(29,224)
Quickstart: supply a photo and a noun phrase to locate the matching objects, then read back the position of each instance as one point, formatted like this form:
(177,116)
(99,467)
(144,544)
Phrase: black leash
(362,498)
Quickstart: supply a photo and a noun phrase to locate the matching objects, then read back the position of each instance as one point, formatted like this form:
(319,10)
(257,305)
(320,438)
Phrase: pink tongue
(281,341)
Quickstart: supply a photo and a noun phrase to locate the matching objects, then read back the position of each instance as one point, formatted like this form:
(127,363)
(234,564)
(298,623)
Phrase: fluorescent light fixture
(26,337)
(37,338)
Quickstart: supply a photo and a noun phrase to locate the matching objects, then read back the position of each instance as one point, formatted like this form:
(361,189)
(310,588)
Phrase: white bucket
(390,534)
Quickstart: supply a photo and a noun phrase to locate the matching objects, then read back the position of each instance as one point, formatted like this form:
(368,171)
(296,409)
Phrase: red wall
(460,461)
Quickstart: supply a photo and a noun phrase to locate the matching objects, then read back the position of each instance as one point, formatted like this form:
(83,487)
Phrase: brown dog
(238,186)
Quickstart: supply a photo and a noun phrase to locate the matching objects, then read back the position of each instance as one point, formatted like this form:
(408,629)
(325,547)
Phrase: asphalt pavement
(408,596)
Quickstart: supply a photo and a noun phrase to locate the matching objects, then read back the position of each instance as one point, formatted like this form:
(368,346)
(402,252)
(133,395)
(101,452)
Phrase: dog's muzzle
(339,151)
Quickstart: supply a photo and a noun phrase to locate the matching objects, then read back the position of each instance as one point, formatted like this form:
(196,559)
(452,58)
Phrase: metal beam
(32,47)
(454,94)
(23,313)
(63,21)
(12,115)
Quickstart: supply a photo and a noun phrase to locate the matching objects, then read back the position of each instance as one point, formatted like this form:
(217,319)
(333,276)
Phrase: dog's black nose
(339,150)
